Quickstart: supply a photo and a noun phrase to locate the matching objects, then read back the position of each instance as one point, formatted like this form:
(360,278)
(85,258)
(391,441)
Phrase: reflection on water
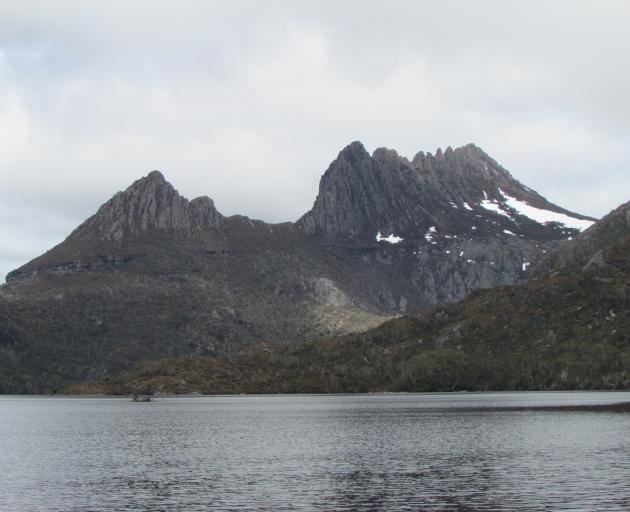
(362,452)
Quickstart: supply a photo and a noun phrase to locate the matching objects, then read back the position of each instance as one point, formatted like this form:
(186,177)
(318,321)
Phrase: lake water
(340,452)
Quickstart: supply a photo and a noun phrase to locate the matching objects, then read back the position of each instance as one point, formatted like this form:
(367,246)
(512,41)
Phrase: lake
(461,451)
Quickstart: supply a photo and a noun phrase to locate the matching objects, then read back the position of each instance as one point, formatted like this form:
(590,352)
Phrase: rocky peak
(156,176)
(362,195)
(388,156)
(348,202)
(150,203)
(354,153)
(466,175)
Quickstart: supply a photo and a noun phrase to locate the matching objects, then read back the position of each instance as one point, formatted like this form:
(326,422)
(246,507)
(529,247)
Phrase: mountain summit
(455,191)
(150,203)
(152,274)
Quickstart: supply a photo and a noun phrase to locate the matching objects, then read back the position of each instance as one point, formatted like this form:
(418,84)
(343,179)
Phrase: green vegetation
(569,331)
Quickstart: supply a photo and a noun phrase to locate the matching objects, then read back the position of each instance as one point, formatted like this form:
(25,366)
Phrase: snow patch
(467,206)
(536,214)
(526,265)
(495,207)
(544,216)
(392,239)
(508,232)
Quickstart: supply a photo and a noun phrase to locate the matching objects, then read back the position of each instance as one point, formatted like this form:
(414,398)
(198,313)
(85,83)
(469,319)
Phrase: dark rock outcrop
(150,203)
(362,195)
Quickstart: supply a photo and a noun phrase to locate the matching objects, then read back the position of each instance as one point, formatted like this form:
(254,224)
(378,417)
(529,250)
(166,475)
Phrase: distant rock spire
(150,203)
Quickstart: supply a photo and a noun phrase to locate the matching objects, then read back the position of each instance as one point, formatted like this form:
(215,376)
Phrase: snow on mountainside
(510,206)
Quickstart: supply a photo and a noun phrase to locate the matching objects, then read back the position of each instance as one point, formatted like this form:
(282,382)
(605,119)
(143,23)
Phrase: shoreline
(623,405)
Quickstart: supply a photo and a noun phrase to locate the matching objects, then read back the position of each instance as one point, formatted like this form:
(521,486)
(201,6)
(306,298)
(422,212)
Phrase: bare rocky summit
(361,195)
(153,274)
(151,203)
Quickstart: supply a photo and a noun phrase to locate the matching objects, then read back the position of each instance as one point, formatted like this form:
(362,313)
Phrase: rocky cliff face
(149,204)
(457,192)
(437,227)
(152,274)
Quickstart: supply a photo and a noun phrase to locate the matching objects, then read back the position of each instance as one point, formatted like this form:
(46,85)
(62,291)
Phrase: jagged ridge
(361,195)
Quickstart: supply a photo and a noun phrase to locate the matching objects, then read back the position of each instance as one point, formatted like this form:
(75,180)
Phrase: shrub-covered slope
(567,330)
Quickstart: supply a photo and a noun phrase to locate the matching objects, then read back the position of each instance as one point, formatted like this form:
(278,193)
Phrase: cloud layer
(248,102)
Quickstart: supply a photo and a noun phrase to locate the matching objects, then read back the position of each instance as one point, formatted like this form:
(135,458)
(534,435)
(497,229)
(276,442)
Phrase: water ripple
(355,453)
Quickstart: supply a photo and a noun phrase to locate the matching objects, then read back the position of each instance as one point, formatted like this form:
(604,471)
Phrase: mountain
(153,274)
(456,192)
(568,329)
(594,249)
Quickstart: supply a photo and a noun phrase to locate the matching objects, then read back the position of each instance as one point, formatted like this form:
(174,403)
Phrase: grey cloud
(248,102)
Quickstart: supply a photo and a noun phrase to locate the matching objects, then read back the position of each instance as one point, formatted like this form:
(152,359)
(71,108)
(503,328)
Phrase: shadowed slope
(569,330)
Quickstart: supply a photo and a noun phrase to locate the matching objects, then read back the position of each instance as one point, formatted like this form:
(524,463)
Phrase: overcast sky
(248,102)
